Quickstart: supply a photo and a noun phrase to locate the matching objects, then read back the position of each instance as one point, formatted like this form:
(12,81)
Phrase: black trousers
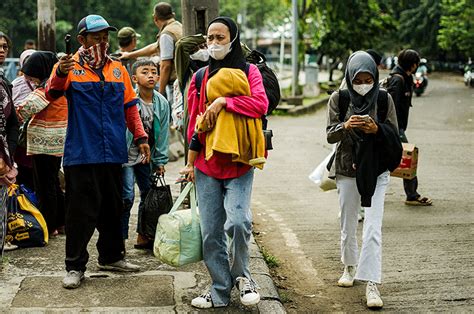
(409,185)
(93,200)
(49,193)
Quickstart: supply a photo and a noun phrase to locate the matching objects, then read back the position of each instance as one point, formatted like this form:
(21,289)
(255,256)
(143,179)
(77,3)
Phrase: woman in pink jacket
(224,187)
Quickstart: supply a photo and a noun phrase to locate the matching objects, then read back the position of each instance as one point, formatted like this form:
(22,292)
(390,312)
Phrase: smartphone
(365,118)
(67,40)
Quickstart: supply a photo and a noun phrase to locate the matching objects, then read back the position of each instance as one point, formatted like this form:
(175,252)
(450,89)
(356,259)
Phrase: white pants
(370,260)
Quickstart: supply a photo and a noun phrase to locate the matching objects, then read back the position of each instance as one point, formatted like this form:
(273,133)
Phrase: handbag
(320,174)
(157,202)
(178,238)
(26,226)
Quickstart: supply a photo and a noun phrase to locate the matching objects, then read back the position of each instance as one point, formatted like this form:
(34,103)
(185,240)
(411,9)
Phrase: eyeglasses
(5,47)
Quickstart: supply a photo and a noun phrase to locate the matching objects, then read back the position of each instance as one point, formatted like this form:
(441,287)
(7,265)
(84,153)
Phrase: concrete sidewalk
(30,280)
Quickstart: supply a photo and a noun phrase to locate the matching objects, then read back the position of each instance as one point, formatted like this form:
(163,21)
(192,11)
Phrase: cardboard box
(408,164)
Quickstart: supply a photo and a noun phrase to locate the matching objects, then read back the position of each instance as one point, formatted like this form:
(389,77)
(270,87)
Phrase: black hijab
(235,58)
(361,61)
(40,64)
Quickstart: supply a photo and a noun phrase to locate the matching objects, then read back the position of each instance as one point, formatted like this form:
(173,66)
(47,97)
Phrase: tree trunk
(197,14)
(47,25)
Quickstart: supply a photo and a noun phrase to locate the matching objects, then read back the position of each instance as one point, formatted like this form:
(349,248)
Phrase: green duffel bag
(178,234)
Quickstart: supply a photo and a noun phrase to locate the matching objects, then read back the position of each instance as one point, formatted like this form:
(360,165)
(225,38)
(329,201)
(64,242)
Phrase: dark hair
(375,55)
(124,42)
(30,42)
(8,40)
(407,58)
(142,63)
(163,11)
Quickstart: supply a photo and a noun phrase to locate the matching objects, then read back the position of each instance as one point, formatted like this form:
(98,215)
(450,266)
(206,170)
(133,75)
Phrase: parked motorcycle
(420,82)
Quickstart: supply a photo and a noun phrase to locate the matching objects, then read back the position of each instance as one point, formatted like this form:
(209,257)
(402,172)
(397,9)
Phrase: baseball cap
(93,23)
(127,32)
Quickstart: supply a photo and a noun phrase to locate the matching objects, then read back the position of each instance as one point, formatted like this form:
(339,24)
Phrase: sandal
(420,201)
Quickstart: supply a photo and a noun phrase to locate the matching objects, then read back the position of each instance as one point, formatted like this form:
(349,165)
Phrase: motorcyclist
(423,69)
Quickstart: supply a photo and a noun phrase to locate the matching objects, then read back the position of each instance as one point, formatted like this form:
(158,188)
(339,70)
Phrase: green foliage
(271,260)
(457,27)
(254,15)
(419,27)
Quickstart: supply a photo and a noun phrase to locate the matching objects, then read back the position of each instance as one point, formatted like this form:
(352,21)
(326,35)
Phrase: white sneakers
(347,278)
(203,301)
(373,296)
(372,293)
(248,295)
(248,291)
(73,279)
(121,265)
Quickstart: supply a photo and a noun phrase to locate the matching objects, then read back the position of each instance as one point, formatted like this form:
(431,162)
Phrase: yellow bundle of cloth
(234,134)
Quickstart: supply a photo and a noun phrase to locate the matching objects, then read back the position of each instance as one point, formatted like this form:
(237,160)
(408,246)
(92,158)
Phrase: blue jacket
(100,108)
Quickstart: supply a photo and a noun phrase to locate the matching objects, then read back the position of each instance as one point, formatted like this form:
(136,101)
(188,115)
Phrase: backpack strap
(198,80)
(382,105)
(344,100)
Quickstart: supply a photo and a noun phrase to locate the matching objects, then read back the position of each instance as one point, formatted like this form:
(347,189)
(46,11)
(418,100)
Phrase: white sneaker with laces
(73,279)
(204,301)
(347,278)
(373,295)
(121,265)
(248,291)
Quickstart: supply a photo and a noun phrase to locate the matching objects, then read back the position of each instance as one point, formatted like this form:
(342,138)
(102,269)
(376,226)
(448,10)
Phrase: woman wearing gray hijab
(368,148)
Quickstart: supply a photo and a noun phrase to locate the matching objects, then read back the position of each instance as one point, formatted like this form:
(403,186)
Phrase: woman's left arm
(255,105)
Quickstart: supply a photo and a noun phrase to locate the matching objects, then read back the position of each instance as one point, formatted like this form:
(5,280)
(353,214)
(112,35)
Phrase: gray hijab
(361,61)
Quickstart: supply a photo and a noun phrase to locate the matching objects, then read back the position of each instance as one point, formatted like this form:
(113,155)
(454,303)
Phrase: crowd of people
(105,120)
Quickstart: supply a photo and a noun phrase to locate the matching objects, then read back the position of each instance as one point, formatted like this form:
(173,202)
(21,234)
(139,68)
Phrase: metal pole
(46,25)
(294,48)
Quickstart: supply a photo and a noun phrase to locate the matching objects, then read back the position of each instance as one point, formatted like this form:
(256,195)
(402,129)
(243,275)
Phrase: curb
(304,109)
(269,298)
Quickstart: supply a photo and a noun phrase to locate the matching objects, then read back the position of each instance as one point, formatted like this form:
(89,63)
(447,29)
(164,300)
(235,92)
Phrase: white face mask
(200,55)
(218,52)
(362,89)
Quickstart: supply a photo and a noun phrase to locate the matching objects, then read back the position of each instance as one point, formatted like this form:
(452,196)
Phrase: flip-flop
(420,201)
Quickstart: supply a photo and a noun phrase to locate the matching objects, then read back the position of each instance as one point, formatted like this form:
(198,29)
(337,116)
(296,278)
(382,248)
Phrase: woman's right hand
(4,169)
(353,122)
(188,172)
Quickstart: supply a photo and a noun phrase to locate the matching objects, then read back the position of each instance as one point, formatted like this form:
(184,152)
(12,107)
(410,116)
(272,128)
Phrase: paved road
(427,251)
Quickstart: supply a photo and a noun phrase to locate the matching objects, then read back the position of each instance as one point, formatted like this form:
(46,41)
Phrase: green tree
(457,27)
(353,25)
(419,26)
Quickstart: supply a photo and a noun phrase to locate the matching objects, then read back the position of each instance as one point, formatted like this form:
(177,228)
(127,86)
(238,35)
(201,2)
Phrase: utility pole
(294,48)
(47,25)
(197,14)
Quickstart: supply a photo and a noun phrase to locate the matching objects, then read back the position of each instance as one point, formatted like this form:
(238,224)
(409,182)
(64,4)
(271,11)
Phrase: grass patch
(284,297)
(270,259)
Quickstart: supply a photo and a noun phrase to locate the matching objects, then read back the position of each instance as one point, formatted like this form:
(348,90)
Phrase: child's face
(146,76)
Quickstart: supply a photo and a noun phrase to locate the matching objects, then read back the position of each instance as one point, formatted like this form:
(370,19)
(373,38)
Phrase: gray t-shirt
(146,115)
(166,47)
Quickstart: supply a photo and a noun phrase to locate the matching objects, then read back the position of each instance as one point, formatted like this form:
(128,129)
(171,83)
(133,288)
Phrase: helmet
(423,60)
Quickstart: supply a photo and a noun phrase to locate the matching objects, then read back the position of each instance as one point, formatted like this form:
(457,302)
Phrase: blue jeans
(224,207)
(141,173)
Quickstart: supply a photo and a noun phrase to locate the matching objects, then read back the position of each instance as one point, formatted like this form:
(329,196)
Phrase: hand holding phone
(365,118)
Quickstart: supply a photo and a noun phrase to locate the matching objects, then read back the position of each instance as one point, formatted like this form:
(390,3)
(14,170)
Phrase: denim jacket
(161,118)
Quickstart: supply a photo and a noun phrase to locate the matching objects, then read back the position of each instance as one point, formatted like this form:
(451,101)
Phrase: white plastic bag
(320,174)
